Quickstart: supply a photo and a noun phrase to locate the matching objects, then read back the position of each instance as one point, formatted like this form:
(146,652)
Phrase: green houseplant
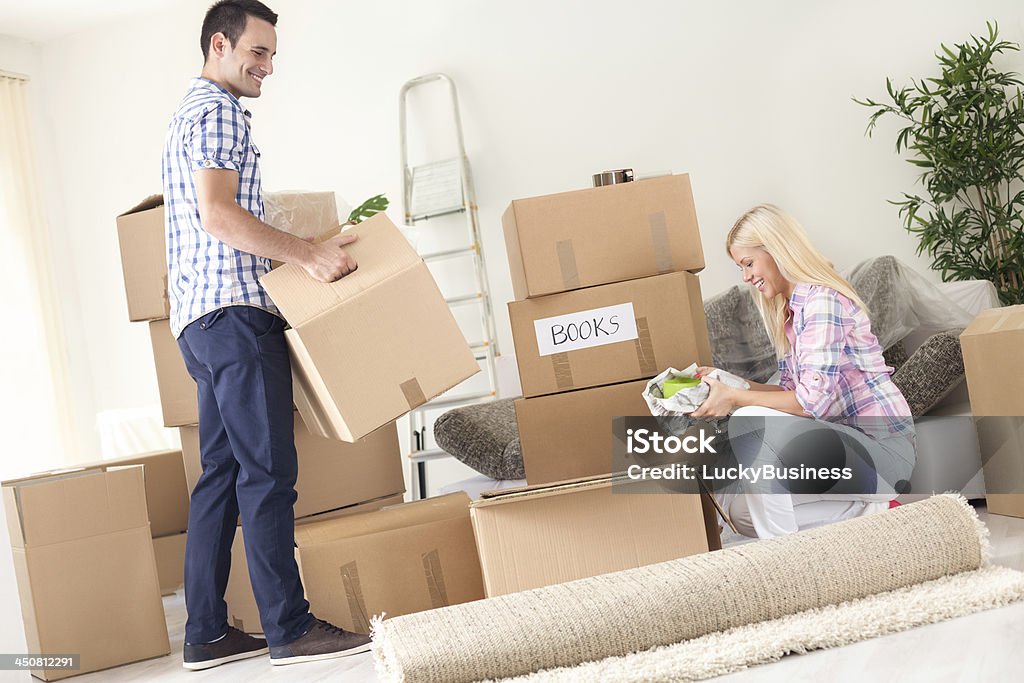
(370,207)
(965,130)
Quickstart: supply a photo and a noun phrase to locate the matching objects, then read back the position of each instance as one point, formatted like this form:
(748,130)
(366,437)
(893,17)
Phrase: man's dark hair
(229,17)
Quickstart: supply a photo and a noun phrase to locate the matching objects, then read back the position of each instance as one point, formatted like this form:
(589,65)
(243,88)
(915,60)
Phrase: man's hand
(327,261)
(720,402)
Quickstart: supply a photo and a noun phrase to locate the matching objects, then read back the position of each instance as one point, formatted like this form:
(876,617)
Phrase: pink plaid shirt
(835,364)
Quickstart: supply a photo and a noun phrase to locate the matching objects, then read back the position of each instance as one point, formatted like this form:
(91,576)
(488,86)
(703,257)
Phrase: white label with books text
(584,329)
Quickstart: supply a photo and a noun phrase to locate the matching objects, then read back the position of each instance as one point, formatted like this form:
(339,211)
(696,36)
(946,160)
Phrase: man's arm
(223,218)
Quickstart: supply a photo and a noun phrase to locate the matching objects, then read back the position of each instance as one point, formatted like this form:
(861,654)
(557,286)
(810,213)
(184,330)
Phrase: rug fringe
(384,656)
(984,543)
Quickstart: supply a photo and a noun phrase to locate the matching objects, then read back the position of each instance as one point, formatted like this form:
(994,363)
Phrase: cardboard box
(608,334)
(991,347)
(141,235)
(170,562)
(539,536)
(402,559)
(179,399)
(561,242)
(243,613)
(166,490)
(375,344)
(1001,443)
(569,436)
(303,214)
(332,474)
(86,573)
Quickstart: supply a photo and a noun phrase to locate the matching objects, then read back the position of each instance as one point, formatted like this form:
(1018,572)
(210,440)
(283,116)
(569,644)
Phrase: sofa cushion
(896,355)
(484,436)
(931,372)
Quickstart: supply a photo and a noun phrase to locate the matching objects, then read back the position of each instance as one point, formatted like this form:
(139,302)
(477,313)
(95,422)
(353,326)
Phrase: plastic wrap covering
(899,301)
(739,342)
(303,214)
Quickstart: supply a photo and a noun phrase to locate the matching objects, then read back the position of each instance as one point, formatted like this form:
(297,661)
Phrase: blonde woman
(832,375)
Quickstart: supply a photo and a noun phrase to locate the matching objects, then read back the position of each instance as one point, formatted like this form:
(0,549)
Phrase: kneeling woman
(832,370)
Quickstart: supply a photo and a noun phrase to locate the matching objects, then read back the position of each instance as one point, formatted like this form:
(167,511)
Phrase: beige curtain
(35,406)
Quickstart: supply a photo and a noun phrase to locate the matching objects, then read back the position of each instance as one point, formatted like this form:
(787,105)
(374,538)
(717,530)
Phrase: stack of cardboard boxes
(606,297)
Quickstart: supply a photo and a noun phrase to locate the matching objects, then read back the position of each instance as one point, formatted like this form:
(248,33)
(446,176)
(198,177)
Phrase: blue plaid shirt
(210,129)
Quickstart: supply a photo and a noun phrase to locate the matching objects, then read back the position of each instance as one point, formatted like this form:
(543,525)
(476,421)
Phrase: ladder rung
(465,299)
(435,214)
(438,255)
(428,454)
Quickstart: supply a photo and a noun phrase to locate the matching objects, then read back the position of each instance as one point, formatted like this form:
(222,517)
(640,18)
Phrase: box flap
(380,252)
(150,202)
(48,474)
(76,505)
(167,492)
(501,496)
(451,506)
(993,320)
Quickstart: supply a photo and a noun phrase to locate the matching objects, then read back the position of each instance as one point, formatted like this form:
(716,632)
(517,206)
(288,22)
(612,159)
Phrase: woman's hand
(720,402)
(705,370)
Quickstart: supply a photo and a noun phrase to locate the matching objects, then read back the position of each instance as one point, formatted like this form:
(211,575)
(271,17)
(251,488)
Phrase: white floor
(982,647)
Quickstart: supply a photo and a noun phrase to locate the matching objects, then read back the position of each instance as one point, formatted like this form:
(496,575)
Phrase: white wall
(21,57)
(752,99)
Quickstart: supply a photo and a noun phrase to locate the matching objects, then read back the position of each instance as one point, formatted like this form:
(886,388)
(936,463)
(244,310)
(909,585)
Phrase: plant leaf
(370,207)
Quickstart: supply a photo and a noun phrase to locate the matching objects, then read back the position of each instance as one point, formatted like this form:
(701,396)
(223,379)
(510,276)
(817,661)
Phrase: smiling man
(232,339)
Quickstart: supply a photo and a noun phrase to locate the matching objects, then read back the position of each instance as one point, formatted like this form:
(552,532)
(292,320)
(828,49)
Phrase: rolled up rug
(701,596)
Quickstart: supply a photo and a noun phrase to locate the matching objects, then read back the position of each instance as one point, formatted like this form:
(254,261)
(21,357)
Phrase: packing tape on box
(645,348)
(167,301)
(435,579)
(1005,318)
(413,393)
(354,596)
(659,239)
(567,264)
(563,370)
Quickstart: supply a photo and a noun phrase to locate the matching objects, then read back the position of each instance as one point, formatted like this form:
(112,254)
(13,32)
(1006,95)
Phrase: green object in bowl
(671,386)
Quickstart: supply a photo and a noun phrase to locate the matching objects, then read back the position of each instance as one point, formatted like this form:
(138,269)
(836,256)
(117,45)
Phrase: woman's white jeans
(765,515)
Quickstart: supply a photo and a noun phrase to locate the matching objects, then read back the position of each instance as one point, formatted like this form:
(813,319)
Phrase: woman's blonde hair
(770,228)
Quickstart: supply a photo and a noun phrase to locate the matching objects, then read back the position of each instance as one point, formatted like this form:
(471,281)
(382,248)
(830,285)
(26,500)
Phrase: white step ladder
(430,191)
